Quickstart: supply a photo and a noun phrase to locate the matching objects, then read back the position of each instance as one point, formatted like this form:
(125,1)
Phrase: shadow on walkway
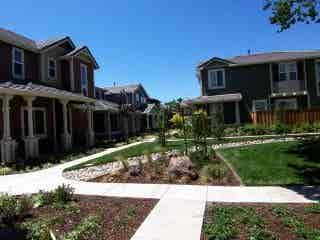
(309,192)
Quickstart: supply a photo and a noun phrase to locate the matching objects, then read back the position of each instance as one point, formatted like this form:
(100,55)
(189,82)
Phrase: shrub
(42,199)
(213,171)
(63,194)
(247,129)
(12,208)
(5,171)
(39,229)
(177,121)
(86,230)
(280,128)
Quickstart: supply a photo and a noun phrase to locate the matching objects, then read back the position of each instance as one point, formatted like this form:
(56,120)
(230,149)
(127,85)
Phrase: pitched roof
(231,97)
(32,89)
(265,57)
(78,50)
(103,105)
(29,44)
(150,108)
(123,88)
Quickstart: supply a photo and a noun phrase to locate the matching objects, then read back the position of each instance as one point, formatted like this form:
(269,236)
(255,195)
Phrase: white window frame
(23,127)
(317,70)
(55,68)
(264,101)
(84,85)
(287,100)
(14,62)
(287,70)
(210,84)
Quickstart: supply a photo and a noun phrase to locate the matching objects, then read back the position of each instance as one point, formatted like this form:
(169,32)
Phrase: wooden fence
(288,117)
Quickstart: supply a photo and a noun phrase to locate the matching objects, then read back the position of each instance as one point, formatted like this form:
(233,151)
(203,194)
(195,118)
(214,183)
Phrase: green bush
(280,128)
(86,230)
(62,195)
(12,208)
(5,171)
(42,199)
(213,171)
(39,229)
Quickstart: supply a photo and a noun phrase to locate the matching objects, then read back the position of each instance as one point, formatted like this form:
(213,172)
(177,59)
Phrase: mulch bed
(272,222)
(159,175)
(120,217)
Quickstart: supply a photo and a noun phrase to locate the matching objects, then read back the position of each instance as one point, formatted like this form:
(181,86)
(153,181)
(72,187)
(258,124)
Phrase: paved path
(178,214)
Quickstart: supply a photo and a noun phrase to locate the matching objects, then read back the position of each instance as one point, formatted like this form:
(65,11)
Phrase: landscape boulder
(180,166)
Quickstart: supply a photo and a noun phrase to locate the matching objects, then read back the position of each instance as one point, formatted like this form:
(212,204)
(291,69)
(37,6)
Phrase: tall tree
(285,13)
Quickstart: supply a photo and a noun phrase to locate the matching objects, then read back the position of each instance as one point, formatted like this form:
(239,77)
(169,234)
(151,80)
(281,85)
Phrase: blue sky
(156,43)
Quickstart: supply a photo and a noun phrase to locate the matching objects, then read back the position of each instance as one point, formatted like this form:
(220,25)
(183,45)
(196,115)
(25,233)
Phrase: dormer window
(216,79)
(84,79)
(52,69)
(18,63)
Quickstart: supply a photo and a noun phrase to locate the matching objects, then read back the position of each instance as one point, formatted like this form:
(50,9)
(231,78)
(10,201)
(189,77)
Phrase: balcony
(289,86)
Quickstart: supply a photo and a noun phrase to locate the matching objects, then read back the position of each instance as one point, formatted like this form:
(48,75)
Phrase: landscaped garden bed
(261,221)
(285,163)
(172,168)
(61,215)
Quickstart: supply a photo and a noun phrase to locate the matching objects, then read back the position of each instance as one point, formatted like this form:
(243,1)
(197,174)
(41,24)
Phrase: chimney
(114,84)
(249,51)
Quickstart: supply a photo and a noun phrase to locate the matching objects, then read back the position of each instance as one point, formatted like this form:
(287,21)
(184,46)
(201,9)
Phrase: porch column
(107,124)
(148,121)
(237,112)
(8,145)
(66,137)
(90,132)
(54,123)
(31,142)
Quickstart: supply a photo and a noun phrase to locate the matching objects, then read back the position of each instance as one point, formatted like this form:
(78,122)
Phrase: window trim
(287,72)
(265,101)
(85,86)
(317,70)
(23,127)
(210,87)
(14,49)
(55,68)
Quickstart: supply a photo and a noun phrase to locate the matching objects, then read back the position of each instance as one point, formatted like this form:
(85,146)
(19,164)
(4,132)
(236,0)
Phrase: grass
(286,163)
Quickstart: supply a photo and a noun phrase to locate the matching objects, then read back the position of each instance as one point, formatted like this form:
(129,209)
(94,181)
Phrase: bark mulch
(120,217)
(280,227)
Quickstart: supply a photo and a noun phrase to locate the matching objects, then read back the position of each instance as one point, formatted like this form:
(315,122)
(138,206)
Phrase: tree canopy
(285,13)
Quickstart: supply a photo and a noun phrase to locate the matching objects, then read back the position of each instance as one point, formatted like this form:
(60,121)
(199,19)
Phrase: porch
(227,104)
(38,120)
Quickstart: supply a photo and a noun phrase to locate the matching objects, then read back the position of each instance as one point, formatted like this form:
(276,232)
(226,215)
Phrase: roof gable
(80,50)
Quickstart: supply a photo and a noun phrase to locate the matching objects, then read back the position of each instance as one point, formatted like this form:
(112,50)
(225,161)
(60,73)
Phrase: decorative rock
(135,170)
(180,166)
(156,157)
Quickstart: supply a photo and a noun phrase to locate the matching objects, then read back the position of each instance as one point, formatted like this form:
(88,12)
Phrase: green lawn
(287,163)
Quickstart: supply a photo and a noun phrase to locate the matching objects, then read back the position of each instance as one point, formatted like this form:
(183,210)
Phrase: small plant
(314,208)
(217,126)
(42,199)
(39,229)
(62,195)
(213,171)
(86,230)
(12,208)
(124,162)
(131,211)
(5,171)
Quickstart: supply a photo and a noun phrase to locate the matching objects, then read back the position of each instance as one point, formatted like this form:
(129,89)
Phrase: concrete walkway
(178,214)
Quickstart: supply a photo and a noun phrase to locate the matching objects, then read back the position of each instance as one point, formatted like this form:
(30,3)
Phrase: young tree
(285,13)
(217,125)
(200,131)
(162,125)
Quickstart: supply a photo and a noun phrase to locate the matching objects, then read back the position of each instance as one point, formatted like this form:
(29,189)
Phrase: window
(288,71)
(318,76)
(216,79)
(52,68)
(137,98)
(39,122)
(83,79)
(286,103)
(17,63)
(260,105)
